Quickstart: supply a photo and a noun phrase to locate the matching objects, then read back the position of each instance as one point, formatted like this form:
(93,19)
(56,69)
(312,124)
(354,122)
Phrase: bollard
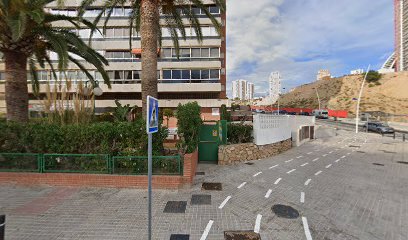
(403,137)
(394,135)
(2,226)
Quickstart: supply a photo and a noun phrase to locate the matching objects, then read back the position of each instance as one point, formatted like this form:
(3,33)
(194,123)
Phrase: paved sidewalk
(344,187)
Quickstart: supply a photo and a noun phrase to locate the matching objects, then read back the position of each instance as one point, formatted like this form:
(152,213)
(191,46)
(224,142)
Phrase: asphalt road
(340,187)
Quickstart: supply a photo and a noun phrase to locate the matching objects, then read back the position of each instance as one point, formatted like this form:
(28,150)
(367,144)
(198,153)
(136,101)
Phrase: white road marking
(308,181)
(268,193)
(348,153)
(328,166)
(256,174)
(337,160)
(304,164)
(258,223)
(324,155)
(299,156)
(309,153)
(318,173)
(289,160)
(277,181)
(289,172)
(331,152)
(302,197)
(274,166)
(207,230)
(306,227)
(224,202)
(314,160)
(343,156)
(242,184)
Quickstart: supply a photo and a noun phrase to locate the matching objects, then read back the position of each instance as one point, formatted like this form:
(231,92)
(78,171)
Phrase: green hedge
(239,133)
(188,126)
(121,138)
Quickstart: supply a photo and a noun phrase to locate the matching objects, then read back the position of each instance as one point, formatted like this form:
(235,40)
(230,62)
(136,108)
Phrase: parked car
(379,127)
(280,112)
(304,114)
(291,113)
(320,113)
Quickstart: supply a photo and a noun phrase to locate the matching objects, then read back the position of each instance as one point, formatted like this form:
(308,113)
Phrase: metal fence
(89,163)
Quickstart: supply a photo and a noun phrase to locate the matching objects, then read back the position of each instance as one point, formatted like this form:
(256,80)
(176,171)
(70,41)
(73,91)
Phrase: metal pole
(359,98)
(367,125)
(278,105)
(403,137)
(318,99)
(149,166)
(2,226)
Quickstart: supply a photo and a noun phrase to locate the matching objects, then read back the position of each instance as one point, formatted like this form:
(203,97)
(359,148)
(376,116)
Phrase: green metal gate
(212,134)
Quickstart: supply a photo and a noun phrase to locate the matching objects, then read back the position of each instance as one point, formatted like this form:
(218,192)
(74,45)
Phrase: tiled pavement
(349,199)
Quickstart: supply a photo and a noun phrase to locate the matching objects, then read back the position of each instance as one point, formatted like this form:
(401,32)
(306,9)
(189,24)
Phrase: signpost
(152,126)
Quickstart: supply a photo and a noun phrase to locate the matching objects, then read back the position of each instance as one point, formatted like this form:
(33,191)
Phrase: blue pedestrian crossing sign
(152,117)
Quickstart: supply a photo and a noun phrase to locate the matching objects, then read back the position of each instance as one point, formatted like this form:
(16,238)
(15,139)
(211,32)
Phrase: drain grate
(378,164)
(249,163)
(175,207)
(211,186)
(354,146)
(199,199)
(284,211)
(200,173)
(402,162)
(179,237)
(241,235)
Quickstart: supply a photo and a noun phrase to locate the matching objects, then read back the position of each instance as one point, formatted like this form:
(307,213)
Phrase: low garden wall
(105,180)
(230,154)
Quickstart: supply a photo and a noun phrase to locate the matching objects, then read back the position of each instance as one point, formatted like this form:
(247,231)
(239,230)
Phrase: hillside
(391,96)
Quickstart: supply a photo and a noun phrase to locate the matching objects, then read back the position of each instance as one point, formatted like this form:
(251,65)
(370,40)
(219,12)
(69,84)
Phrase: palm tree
(27,37)
(145,18)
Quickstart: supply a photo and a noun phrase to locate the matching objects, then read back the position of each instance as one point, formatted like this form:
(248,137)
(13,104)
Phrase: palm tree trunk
(149,26)
(16,86)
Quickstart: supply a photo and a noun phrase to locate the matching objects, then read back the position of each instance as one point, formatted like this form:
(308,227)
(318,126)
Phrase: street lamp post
(278,101)
(359,98)
(318,98)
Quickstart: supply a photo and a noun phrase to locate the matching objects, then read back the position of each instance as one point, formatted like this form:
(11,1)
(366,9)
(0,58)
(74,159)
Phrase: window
(215,52)
(84,33)
(166,74)
(119,32)
(205,74)
(137,75)
(98,76)
(185,74)
(2,76)
(166,52)
(127,55)
(195,74)
(196,10)
(118,12)
(176,74)
(118,75)
(185,52)
(214,74)
(128,75)
(118,55)
(110,33)
(214,9)
(195,53)
(127,12)
(205,52)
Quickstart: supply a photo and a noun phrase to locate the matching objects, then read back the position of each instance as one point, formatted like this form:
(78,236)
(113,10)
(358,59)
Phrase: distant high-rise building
(323,74)
(357,71)
(250,91)
(401,35)
(274,86)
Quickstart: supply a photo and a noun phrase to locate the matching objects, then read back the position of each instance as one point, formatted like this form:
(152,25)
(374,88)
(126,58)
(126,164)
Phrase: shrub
(225,115)
(373,76)
(188,126)
(122,138)
(239,133)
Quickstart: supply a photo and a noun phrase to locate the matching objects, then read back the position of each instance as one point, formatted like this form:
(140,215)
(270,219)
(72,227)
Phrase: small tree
(121,113)
(225,115)
(168,113)
(373,76)
(188,126)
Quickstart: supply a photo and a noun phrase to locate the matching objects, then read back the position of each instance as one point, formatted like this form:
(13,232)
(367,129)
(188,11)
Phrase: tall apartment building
(323,74)
(239,89)
(401,34)
(274,86)
(198,75)
(250,91)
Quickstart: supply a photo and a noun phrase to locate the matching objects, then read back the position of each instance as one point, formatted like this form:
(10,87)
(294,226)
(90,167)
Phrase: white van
(321,113)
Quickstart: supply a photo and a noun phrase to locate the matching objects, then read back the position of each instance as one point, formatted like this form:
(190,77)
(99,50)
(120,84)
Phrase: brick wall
(104,180)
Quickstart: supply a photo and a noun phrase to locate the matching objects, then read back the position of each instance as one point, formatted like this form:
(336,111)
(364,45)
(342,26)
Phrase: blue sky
(299,37)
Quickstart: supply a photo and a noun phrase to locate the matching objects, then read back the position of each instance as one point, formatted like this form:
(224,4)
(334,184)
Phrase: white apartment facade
(274,86)
(243,90)
(198,75)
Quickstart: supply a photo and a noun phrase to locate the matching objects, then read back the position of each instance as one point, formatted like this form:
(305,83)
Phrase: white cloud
(298,37)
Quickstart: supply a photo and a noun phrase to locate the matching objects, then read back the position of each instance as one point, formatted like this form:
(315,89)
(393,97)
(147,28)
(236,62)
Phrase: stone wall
(229,154)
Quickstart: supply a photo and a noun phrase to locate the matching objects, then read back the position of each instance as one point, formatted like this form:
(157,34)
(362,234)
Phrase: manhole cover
(241,235)
(354,146)
(402,162)
(360,152)
(284,211)
(200,173)
(211,186)
(198,199)
(378,164)
(249,163)
(179,237)
(175,207)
